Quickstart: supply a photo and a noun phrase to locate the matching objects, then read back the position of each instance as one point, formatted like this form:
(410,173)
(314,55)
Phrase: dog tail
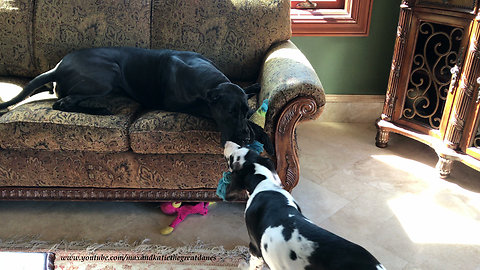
(33,87)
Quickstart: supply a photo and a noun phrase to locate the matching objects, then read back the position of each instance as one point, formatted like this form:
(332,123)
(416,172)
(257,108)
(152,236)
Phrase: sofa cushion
(235,34)
(65,26)
(40,168)
(16,50)
(36,125)
(161,132)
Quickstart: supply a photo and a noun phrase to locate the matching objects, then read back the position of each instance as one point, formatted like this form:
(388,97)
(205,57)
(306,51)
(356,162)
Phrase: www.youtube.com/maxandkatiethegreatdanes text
(139,257)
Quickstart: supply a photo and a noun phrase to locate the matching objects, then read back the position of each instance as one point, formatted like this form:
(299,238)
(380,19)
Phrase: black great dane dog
(179,81)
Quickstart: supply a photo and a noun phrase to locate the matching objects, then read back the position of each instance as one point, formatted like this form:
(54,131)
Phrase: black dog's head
(229,109)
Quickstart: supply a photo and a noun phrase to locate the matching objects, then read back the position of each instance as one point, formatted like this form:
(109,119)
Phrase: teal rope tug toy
(258,118)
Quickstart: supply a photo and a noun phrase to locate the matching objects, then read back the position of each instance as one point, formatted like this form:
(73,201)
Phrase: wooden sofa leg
(288,167)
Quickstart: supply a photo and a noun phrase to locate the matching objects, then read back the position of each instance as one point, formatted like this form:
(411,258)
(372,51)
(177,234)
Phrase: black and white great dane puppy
(280,235)
(180,81)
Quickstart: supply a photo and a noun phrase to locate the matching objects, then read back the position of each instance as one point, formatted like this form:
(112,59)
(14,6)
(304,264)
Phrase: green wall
(356,65)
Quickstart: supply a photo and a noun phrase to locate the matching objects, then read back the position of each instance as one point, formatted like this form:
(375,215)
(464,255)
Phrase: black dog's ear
(262,137)
(252,90)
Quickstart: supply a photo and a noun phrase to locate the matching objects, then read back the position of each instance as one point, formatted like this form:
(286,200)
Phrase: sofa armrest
(286,75)
(295,94)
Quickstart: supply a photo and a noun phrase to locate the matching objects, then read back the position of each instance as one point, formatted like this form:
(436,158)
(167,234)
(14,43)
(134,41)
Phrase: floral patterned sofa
(138,155)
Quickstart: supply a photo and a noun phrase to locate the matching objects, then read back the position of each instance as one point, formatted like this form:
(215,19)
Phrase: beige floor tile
(326,148)
(360,218)
(346,184)
(316,202)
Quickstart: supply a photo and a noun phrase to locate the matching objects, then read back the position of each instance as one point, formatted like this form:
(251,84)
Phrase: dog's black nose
(247,137)
(236,166)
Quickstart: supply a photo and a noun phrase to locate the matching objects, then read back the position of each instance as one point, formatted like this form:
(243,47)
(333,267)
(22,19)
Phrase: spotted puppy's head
(235,155)
(248,168)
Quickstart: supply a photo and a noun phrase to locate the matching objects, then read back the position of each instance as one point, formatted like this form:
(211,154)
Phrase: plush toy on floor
(182,211)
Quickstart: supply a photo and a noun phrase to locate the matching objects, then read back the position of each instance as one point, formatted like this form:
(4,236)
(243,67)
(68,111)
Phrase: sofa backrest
(235,34)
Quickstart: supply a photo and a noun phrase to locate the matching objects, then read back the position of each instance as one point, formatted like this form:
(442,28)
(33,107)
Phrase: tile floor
(390,201)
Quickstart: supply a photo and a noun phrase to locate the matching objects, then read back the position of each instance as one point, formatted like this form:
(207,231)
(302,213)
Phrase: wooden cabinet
(434,83)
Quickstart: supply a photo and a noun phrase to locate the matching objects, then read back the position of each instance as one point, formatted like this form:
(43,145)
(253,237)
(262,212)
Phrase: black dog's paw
(261,136)
(61,105)
(68,104)
(268,145)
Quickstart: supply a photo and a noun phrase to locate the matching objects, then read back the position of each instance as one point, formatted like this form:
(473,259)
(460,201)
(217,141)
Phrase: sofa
(136,154)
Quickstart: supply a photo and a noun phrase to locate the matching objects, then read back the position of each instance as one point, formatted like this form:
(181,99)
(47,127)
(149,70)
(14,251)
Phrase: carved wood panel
(106,194)
(404,22)
(288,168)
(464,92)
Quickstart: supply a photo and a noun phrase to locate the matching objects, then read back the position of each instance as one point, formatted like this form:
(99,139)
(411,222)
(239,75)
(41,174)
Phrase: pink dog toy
(182,211)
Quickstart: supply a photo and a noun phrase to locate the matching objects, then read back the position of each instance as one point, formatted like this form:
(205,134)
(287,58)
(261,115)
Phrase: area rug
(119,256)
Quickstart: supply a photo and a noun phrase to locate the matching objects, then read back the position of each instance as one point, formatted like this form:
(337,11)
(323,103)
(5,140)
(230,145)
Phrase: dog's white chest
(280,253)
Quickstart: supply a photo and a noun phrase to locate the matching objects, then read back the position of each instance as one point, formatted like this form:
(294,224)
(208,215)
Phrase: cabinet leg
(381,140)
(444,166)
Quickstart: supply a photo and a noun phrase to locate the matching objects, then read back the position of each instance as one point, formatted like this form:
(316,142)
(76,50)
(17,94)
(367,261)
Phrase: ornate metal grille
(436,52)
